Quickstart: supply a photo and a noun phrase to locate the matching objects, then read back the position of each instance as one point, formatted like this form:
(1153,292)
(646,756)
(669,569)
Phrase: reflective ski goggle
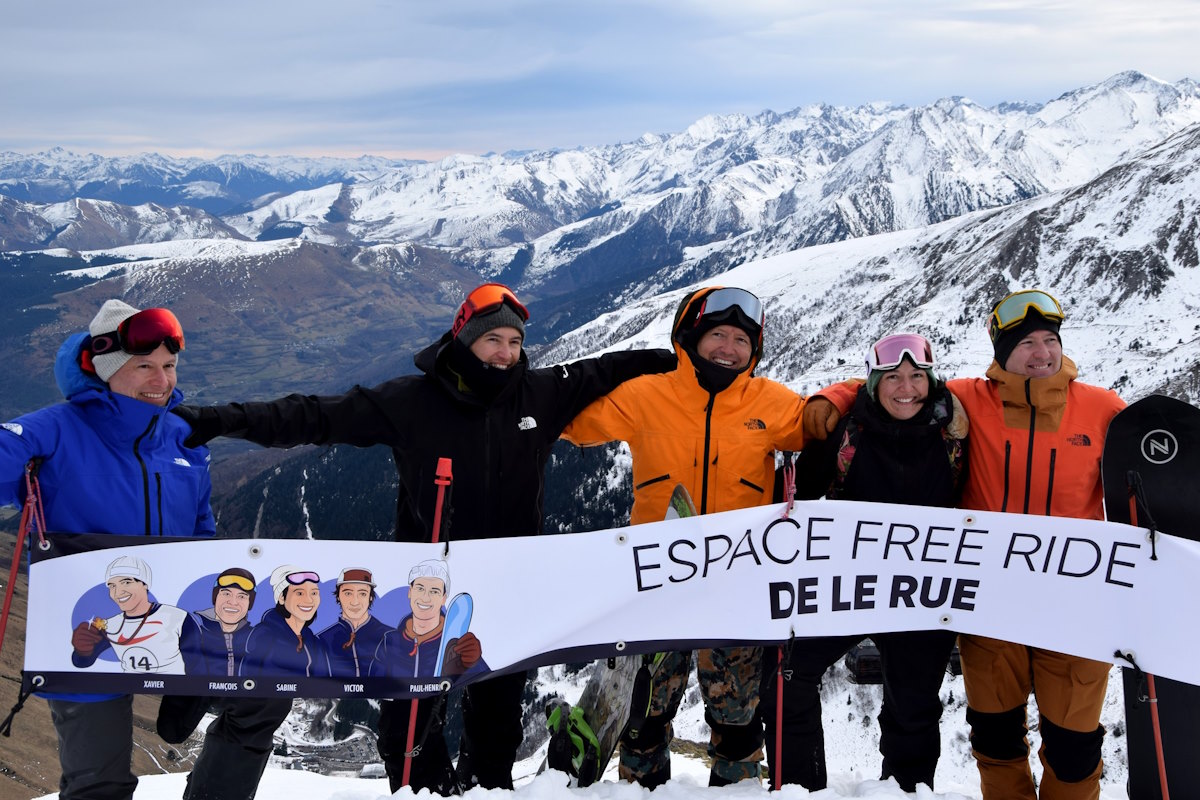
(141,334)
(722,300)
(1012,310)
(234,582)
(484,300)
(297,578)
(889,351)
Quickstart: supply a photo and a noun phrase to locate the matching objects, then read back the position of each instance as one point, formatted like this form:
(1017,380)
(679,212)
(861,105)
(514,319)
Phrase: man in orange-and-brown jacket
(1036,439)
(712,426)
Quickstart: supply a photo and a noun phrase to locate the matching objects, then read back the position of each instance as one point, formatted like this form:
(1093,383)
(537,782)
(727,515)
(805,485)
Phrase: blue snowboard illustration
(457,622)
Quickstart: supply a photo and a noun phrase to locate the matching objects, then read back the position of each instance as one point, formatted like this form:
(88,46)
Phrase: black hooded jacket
(498,445)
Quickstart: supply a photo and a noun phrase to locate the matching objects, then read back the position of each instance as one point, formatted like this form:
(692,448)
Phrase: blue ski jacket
(109,464)
(209,650)
(351,656)
(273,648)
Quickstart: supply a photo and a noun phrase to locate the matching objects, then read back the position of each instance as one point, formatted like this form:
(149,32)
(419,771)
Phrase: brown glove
(85,638)
(462,654)
(819,418)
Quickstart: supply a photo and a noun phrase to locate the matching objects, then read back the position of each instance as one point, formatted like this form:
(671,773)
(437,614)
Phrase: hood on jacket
(708,375)
(73,381)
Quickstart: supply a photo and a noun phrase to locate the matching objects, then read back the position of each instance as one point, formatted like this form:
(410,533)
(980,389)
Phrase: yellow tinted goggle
(234,581)
(1012,310)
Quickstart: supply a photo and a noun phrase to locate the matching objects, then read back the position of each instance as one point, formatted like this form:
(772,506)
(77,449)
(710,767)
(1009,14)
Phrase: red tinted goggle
(889,351)
(141,334)
(484,300)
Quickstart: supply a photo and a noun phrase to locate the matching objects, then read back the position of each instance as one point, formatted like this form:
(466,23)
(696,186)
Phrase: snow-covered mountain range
(314,274)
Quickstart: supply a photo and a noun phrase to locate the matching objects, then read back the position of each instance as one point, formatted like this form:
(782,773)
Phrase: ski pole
(32,516)
(443,480)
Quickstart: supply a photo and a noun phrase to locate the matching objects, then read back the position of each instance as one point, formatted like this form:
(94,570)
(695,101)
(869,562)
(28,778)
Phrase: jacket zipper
(1050,482)
(712,399)
(1029,454)
(1007,467)
(158,488)
(137,444)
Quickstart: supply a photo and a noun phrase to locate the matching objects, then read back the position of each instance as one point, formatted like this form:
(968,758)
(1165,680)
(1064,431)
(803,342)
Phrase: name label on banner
(107,610)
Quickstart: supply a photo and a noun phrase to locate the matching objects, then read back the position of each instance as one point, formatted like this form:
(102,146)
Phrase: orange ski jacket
(720,446)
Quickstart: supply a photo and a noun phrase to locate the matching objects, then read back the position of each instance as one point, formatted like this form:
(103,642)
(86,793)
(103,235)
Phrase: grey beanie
(111,314)
(503,317)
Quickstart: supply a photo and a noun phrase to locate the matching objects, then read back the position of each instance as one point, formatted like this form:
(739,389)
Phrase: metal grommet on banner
(945,619)
(620,646)
(445,686)
(37,681)
(44,544)
(256,551)
(969,519)
(248,684)
(622,538)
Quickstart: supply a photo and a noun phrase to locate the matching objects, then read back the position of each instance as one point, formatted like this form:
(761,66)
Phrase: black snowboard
(1155,442)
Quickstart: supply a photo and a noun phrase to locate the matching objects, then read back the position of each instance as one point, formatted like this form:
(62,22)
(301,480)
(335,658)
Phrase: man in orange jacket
(713,426)
(1036,439)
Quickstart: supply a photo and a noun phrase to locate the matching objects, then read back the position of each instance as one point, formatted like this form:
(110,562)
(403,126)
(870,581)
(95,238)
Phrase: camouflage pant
(729,679)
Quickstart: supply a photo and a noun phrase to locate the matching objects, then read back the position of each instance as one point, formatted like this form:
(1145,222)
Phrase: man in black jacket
(480,404)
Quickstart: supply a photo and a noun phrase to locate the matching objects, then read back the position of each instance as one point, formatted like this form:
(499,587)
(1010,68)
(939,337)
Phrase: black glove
(205,423)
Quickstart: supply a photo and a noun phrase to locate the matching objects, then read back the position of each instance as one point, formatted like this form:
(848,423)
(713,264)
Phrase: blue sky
(426,78)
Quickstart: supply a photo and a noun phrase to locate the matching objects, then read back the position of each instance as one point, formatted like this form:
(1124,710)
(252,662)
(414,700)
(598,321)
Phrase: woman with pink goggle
(903,441)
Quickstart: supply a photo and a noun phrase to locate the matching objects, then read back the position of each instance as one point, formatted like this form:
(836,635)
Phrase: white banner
(751,576)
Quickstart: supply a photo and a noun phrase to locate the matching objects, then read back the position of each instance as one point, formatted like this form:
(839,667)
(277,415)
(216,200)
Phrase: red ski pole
(443,480)
(32,517)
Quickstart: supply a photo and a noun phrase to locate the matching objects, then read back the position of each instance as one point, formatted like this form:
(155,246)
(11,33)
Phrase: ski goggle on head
(141,334)
(1012,310)
(721,301)
(235,582)
(297,578)
(889,351)
(484,300)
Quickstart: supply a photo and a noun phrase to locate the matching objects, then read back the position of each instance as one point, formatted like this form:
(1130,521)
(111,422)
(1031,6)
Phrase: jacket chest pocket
(741,471)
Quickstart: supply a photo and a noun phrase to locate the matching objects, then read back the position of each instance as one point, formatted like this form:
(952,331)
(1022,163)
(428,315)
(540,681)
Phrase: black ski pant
(492,733)
(95,748)
(914,663)
(237,746)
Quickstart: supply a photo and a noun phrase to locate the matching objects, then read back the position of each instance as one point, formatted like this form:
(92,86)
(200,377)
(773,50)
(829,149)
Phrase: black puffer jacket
(499,445)
(873,457)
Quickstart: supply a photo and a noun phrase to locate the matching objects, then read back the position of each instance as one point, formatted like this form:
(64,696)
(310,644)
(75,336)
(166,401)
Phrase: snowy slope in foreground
(689,784)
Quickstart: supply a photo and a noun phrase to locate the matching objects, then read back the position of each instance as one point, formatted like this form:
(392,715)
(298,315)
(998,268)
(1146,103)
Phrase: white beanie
(432,568)
(279,579)
(111,314)
(129,567)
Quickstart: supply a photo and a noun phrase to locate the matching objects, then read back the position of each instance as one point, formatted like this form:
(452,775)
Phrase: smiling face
(355,600)
(726,346)
(131,595)
(231,606)
(302,601)
(499,347)
(149,378)
(426,596)
(1037,355)
(902,391)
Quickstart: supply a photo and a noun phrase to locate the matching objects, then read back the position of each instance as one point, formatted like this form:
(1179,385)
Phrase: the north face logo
(182,462)
(15,427)
(527,424)
(1080,440)
(754,424)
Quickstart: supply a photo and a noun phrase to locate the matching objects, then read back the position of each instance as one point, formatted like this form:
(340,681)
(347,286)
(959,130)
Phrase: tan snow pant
(1069,690)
